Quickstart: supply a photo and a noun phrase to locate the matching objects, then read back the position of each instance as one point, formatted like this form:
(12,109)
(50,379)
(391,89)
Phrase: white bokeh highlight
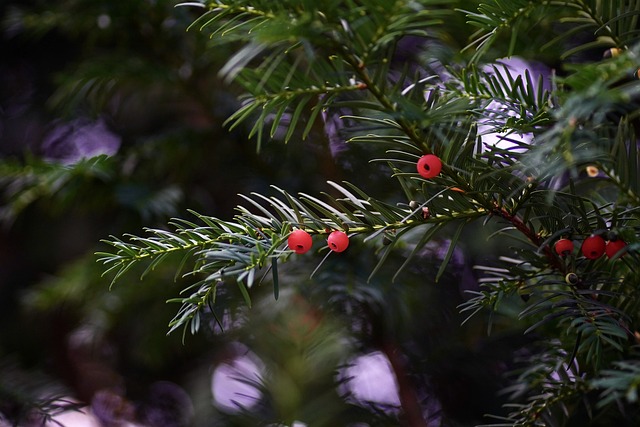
(515,67)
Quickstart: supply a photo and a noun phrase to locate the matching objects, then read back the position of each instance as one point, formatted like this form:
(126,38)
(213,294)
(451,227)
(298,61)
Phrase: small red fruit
(299,241)
(593,247)
(564,247)
(614,246)
(338,241)
(429,166)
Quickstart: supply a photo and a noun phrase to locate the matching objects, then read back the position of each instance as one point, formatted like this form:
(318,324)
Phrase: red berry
(299,241)
(429,166)
(338,241)
(593,247)
(564,247)
(613,247)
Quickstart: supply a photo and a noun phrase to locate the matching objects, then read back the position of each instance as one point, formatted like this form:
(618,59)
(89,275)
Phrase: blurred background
(111,120)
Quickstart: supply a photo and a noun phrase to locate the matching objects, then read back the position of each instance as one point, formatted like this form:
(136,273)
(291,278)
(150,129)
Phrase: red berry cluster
(593,247)
(300,241)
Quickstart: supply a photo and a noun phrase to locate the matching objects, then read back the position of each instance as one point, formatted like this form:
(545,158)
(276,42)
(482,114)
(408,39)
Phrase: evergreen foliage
(299,59)
(565,165)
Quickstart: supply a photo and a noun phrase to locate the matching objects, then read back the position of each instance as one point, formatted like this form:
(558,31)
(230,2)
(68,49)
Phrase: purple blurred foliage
(235,378)
(406,57)
(498,112)
(334,130)
(112,409)
(166,405)
(369,380)
(458,264)
(404,64)
(518,66)
(92,362)
(71,142)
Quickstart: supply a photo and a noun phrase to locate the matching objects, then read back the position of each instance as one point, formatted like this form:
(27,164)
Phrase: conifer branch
(539,188)
(222,251)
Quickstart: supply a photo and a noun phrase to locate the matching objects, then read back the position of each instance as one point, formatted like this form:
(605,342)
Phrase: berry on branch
(299,241)
(593,247)
(429,166)
(614,246)
(338,241)
(564,247)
